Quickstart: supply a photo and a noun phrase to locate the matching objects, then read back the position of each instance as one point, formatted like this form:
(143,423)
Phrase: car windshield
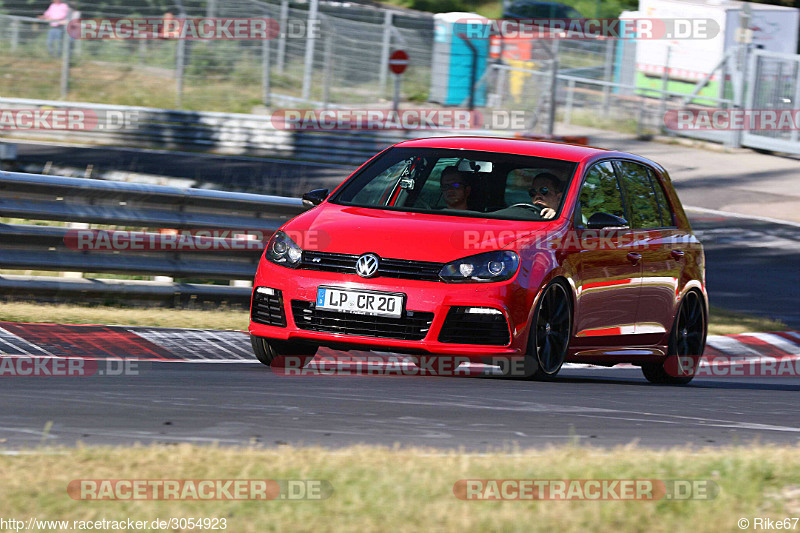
(460,183)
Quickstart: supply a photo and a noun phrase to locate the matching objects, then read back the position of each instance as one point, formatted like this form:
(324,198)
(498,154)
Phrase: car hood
(402,235)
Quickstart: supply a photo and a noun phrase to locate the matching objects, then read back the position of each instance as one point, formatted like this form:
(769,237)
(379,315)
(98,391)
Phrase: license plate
(369,303)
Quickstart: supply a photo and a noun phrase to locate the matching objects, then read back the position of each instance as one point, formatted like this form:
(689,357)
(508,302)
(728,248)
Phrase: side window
(667,217)
(600,193)
(374,191)
(639,195)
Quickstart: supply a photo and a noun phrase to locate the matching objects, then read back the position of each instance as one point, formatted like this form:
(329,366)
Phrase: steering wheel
(533,207)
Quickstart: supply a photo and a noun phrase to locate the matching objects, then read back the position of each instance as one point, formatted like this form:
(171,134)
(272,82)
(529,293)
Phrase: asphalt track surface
(752,266)
(247,404)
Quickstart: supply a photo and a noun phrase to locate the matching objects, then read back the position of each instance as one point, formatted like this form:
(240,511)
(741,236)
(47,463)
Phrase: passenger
(455,188)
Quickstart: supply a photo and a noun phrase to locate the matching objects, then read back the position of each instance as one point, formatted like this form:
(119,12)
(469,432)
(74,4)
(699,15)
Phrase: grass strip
(383,489)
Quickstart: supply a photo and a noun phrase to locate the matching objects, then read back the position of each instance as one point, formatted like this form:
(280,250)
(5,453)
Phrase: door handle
(677,254)
(634,258)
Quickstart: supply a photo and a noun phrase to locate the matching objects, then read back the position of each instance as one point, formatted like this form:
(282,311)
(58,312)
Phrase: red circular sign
(398,61)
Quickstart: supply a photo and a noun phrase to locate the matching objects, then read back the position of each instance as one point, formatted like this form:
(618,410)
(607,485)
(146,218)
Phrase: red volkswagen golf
(504,250)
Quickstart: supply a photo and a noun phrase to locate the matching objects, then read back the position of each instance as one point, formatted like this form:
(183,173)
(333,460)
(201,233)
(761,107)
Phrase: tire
(269,352)
(686,340)
(550,333)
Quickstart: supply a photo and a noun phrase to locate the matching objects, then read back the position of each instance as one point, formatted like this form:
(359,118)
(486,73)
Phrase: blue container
(451,65)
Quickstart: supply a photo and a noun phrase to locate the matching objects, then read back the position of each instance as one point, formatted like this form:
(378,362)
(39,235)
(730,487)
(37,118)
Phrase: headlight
(282,250)
(491,266)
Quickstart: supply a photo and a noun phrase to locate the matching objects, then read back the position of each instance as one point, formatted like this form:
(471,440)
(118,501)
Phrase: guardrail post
(75,225)
(284,21)
(385,49)
(308,67)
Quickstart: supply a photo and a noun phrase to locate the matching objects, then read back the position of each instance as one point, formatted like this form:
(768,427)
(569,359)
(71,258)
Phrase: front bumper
(420,297)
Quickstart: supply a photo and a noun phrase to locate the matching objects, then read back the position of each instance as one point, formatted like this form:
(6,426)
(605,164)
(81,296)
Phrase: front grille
(268,309)
(388,268)
(412,326)
(461,327)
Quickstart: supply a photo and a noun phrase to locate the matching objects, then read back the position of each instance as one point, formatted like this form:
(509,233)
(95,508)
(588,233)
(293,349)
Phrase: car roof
(554,150)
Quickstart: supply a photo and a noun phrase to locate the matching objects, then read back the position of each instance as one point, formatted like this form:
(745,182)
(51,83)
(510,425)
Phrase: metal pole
(179,66)
(326,87)
(607,73)
(665,82)
(502,86)
(284,21)
(551,115)
(794,134)
(265,72)
(396,96)
(473,71)
(211,9)
(308,67)
(570,98)
(65,58)
(385,50)
(14,34)
(748,87)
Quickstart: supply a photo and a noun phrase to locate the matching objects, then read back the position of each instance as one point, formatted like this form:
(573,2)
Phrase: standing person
(57,14)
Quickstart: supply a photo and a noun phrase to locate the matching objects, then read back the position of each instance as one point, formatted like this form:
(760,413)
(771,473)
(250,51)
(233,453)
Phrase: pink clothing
(57,12)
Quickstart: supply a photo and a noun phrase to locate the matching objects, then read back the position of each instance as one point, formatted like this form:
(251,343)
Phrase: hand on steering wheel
(542,211)
(533,207)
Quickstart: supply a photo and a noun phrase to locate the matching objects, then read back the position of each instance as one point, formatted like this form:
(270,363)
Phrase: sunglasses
(450,186)
(543,190)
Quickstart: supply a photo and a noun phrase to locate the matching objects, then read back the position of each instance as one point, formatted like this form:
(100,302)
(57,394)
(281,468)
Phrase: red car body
(625,285)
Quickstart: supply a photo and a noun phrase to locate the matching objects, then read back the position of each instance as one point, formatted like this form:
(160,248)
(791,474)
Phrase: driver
(546,193)
(455,189)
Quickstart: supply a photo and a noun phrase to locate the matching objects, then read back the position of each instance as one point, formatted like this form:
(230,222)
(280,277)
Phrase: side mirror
(315,197)
(606,220)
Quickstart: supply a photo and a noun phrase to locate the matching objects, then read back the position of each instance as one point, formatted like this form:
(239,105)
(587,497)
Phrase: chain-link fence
(337,56)
(347,63)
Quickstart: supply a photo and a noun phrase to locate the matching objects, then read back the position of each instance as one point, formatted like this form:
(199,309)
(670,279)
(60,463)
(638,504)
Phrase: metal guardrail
(213,131)
(128,205)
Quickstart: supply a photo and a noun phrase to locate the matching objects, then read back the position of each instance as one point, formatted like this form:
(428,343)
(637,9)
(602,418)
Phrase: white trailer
(774,28)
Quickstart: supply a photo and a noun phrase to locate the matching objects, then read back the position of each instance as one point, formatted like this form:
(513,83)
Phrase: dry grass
(155,317)
(726,322)
(380,489)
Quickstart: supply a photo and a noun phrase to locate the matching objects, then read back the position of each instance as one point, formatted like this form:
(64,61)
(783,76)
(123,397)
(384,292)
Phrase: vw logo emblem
(367,265)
